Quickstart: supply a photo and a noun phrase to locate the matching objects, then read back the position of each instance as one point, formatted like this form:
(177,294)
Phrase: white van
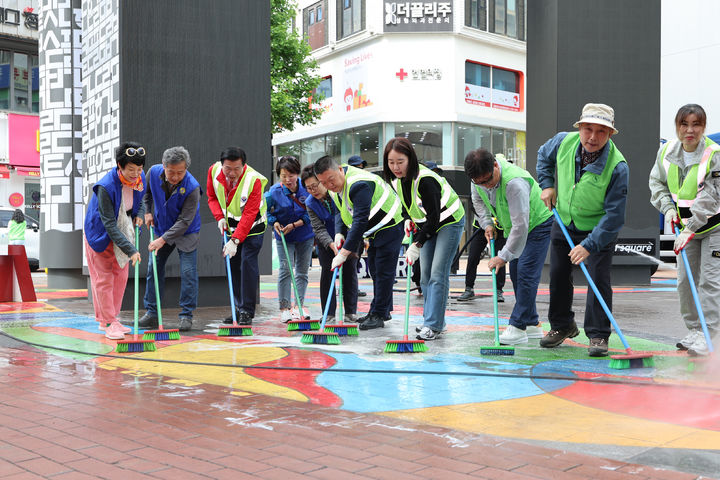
(32,236)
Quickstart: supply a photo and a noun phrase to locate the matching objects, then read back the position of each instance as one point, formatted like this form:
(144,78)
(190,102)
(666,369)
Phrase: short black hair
(289,163)
(18,216)
(122,158)
(323,164)
(401,145)
(479,163)
(232,154)
(307,172)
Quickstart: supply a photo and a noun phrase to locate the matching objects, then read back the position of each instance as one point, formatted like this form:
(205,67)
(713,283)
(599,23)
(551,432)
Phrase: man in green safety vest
(367,208)
(591,193)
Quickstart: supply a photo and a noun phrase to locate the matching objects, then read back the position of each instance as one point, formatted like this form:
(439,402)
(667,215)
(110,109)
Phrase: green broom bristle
(497,350)
(342,330)
(303,325)
(132,346)
(321,338)
(624,363)
(405,346)
(161,335)
(235,331)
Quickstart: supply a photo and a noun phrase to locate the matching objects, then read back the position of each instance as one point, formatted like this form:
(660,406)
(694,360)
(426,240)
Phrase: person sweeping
(436,210)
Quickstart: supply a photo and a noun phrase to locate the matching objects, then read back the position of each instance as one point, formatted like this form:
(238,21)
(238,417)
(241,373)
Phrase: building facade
(19,106)
(448,75)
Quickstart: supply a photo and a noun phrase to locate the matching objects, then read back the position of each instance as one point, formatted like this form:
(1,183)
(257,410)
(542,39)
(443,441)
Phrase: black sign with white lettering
(636,246)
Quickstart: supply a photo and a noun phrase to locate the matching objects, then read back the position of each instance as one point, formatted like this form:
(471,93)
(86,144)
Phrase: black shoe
(244,318)
(372,322)
(229,320)
(363,318)
(149,320)
(555,337)
(468,294)
(500,297)
(185,324)
(598,347)
(362,294)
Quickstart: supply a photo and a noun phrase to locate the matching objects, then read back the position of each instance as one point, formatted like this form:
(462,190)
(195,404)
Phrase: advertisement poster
(357,89)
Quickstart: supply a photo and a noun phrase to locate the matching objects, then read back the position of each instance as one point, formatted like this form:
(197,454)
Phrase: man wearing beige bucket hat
(590,196)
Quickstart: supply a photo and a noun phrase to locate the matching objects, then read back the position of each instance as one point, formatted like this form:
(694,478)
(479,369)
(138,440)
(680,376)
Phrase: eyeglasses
(131,152)
(312,188)
(483,182)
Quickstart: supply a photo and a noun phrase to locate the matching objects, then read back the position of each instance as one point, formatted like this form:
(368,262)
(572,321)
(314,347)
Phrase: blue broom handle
(599,297)
(696,298)
(495,302)
(229,274)
(329,299)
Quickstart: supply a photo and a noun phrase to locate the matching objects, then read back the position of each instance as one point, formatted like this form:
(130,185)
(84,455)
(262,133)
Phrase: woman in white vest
(685,186)
(434,207)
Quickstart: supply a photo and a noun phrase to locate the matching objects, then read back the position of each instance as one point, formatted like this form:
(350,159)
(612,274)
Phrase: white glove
(230,249)
(412,254)
(222,225)
(409,227)
(672,216)
(339,240)
(338,260)
(682,240)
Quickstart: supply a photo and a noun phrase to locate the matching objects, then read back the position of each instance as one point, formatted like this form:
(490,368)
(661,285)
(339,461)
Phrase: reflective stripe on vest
(684,195)
(451,209)
(385,210)
(242,193)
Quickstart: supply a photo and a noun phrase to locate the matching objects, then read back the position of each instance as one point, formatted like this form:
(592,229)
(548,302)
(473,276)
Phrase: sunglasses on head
(131,152)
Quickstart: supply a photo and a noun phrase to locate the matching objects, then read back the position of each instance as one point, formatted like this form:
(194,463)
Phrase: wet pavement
(269,406)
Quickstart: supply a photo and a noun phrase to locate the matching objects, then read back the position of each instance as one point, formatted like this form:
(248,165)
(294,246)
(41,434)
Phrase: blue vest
(287,211)
(166,213)
(320,209)
(95,233)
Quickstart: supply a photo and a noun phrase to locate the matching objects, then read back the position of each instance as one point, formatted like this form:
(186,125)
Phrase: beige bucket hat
(597,113)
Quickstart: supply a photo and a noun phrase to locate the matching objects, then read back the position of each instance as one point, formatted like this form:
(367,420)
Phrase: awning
(28,171)
(4,172)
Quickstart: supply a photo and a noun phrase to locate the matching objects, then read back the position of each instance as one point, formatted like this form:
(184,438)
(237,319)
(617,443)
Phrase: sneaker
(114,331)
(244,318)
(513,335)
(699,347)
(534,331)
(350,318)
(229,320)
(101,326)
(296,313)
(330,319)
(363,318)
(362,294)
(598,347)
(185,324)
(689,339)
(149,320)
(468,294)
(500,297)
(124,329)
(286,316)
(553,338)
(427,333)
(373,321)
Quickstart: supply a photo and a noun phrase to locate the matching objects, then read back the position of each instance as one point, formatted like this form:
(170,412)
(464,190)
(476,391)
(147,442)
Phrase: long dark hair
(401,145)
(18,216)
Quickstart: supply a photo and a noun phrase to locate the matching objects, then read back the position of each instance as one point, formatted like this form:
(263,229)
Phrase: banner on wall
(22,145)
(356,85)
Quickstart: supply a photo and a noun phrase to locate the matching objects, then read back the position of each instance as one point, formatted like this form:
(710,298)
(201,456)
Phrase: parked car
(32,235)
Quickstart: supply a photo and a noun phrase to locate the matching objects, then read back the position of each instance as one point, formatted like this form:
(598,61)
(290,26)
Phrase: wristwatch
(236,241)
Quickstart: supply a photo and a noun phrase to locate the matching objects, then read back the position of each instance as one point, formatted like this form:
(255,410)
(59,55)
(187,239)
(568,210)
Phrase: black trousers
(475,251)
(599,265)
(350,281)
(383,256)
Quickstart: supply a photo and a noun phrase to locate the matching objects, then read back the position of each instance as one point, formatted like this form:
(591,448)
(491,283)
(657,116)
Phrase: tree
(292,71)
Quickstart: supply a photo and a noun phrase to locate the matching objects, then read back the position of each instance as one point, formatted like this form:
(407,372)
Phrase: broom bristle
(405,346)
(131,346)
(235,331)
(323,338)
(296,325)
(497,350)
(161,335)
(617,362)
(342,330)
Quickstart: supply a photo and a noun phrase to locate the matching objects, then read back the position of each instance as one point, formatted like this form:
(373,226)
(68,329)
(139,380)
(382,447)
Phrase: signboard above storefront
(20,18)
(427,16)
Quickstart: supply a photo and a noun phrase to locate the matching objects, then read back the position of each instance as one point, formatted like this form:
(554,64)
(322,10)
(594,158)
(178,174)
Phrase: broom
(618,362)
(342,329)
(496,349)
(406,345)
(323,337)
(233,330)
(303,323)
(160,333)
(136,344)
(696,299)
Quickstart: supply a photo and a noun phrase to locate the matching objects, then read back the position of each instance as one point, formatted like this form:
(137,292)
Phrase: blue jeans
(525,274)
(188,280)
(436,256)
(350,282)
(301,255)
(246,274)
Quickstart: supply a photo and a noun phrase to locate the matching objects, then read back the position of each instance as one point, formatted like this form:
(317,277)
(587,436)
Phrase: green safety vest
(385,210)
(684,195)
(539,212)
(582,203)
(16,231)
(237,204)
(451,209)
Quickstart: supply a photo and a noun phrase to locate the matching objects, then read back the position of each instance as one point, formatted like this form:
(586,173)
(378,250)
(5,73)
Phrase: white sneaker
(513,335)
(427,333)
(330,319)
(535,331)
(114,331)
(286,316)
(699,347)
(296,314)
(351,318)
(689,339)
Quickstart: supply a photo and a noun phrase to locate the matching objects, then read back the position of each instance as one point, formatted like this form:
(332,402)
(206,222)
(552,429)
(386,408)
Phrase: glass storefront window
(21,78)
(497,140)
(470,137)
(367,140)
(427,139)
(5,79)
(35,83)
